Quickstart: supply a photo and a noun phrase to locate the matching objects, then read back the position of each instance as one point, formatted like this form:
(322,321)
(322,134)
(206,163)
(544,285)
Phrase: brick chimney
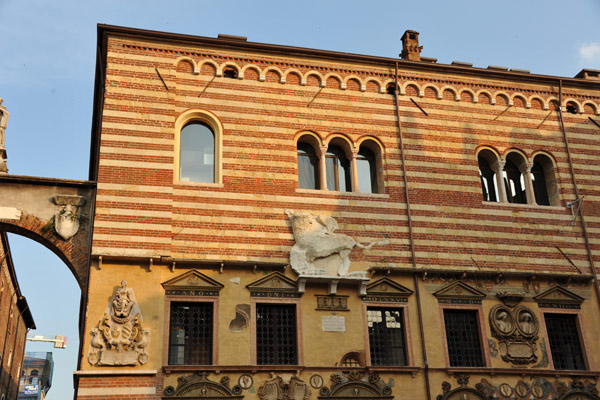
(410,46)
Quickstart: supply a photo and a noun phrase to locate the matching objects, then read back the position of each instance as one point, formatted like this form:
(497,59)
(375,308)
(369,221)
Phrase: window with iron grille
(386,336)
(564,341)
(191,334)
(462,337)
(276,340)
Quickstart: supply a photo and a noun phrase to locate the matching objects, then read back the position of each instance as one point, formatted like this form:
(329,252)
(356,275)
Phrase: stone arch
(189,60)
(354,78)
(294,71)
(387,82)
(315,138)
(486,96)
(588,105)
(571,101)
(251,67)
(549,101)
(276,70)
(414,87)
(520,98)
(451,90)
(534,100)
(317,75)
(37,208)
(375,82)
(504,95)
(213,64)
(438,93)
(229,64)
(337,77)
(517,151)
(489,148)
(337,137)
(470,92)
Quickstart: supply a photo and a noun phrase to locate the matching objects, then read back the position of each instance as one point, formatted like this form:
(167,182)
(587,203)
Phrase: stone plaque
(333,324)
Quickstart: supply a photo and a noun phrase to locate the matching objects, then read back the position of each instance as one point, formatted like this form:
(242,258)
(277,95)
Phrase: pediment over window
(558,297)
(385,289)
(192,283)
(355,386)
(459,293)
(274,285)
(198,386)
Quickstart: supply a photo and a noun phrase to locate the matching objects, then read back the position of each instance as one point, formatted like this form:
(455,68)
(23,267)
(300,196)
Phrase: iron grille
(276,334)
(564,341)
(462,336)
(386,336)
(190,338)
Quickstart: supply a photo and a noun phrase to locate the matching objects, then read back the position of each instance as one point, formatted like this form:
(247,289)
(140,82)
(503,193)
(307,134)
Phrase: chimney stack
(411,50)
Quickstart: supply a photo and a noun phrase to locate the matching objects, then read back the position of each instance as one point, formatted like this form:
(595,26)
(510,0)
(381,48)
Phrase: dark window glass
(337,170)
(366,167)
(462,336)
(308,167)
(564,341)
(190,334)
(276,342)
(488,180)
(230,73)
(197,157)
(540,188)
(514,183)
(386,336)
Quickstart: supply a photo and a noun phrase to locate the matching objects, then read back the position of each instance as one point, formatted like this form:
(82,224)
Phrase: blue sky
(47,59)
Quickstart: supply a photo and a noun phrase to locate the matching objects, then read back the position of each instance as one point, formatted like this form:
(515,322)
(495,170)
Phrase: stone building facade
(275,222)
(15,321)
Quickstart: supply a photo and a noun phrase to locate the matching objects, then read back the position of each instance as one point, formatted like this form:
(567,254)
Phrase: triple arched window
(517,179)
(339,166)
(198,147)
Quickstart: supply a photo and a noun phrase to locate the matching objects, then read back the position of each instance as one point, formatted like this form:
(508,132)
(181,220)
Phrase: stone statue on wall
(3,123)
(318,249)
(119,338)
(516,331)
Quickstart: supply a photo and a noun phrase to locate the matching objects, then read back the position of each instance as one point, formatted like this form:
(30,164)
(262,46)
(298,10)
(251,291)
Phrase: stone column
(499,169)
(354,171)
(321,151)
(530,193)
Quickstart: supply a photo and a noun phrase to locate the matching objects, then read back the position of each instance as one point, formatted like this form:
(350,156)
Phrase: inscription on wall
(333,324)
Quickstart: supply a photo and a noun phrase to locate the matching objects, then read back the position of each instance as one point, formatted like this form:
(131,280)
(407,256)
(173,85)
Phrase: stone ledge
(116,372)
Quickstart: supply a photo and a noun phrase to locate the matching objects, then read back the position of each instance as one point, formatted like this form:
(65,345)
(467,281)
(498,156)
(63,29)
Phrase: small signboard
(29,390)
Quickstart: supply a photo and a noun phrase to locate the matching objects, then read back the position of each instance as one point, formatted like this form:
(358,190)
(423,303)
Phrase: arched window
(197,153)
(337,169)
(544,181)
(514,181)
(368,168)
(487,175)
(198,144)
(308,166)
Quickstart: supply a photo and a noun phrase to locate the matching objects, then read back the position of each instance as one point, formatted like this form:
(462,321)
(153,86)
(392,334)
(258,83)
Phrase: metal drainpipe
(580,208)
(410,236)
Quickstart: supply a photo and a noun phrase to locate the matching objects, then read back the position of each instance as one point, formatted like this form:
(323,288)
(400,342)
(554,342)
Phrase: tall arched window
(514,181)
(367,171)
(544,181)
(487,175)
(308,166)
(197,153)
(337,170)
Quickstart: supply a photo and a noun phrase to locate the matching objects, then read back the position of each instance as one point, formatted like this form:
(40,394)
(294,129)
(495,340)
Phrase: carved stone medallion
(119,338)
(516,331)
(278,389)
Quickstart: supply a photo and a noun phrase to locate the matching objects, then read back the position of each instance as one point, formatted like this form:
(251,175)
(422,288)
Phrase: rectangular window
(276,338)
(564,341)
(386,336)
(462,337)
(190,333)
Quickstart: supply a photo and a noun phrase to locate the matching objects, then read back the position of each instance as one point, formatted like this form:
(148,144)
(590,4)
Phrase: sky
(47,67)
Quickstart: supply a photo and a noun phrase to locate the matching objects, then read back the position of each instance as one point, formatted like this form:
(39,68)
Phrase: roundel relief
(516,330)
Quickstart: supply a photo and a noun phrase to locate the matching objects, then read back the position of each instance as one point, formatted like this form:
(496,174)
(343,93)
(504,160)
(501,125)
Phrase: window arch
(309,175)
(544,183)
(488,175)
(514,178)
(198,147)
(369,167)
(337,168)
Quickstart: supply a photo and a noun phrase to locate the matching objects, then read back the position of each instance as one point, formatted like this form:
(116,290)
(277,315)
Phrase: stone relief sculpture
(278,389)
(3,123)
(318,249)
(119,338)
(66,220)
(516,331)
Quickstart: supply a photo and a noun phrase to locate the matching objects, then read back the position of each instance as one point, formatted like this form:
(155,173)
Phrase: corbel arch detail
(538,98)
(297,72)
(387,82)
(452,90)
(438,93)
(195,68)
(362,85)
(414,84)
(520,96)
(487,93)
(226,64)
(472,93)
(247,67)
(505,95)
(595,109)
(317,75)
(210,62)
(277,71)
(335,76)
(575,102)
(377,82)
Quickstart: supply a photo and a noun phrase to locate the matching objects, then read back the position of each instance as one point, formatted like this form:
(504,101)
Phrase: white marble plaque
(333,324)
(10,213)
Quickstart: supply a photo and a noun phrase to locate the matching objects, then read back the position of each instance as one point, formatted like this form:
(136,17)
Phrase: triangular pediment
(387,287)
(275,282)
(192,280)
(458,292)
(558,295)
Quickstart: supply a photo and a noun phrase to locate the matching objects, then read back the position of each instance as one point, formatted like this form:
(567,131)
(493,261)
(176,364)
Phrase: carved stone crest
(319,251)
(516,331)
(119,338)
(66,220)
(278,389)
